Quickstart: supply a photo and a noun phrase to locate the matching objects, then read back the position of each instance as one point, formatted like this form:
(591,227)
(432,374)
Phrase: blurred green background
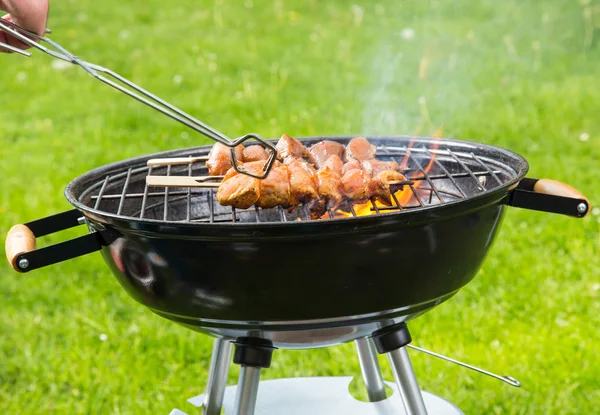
(522,75)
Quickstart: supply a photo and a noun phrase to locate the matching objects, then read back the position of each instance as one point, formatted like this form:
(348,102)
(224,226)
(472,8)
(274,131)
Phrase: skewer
(182,181)
(201,181)
(175,161)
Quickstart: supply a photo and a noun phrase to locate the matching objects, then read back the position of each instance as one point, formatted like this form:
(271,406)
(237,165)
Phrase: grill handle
(548,195)
(19,240)
(20,245)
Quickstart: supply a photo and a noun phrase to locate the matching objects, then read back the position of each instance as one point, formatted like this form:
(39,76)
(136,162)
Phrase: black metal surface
(315,274)
(253,352)
(60,252)
(391,338)
(55,223)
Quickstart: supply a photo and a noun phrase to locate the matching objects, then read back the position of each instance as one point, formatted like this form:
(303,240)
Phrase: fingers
(10,40)
(31,15)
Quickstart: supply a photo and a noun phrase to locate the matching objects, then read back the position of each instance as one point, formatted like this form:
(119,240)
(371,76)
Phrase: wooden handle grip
(19,240)
(552,187)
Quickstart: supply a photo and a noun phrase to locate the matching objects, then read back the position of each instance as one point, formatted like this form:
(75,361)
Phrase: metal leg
(247,392)
(370,369)
(407,382)
(217,377)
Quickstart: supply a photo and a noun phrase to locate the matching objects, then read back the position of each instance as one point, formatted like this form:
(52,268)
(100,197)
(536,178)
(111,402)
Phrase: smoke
(419,81)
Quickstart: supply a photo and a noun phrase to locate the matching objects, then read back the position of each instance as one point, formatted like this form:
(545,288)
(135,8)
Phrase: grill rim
(81,184)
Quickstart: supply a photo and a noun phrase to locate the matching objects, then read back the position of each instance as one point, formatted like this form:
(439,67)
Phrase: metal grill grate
(452,175)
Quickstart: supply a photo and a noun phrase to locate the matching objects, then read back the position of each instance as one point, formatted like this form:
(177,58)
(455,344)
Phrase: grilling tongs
(138,93)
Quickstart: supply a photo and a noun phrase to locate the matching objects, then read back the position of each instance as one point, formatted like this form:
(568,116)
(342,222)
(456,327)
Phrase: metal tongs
(140,94)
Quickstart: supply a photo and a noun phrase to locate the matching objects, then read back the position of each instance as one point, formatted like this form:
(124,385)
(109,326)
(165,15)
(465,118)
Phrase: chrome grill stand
(322,395)
(371,372)
(217,377)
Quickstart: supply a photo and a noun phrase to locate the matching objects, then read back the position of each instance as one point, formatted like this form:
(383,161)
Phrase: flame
(405,196)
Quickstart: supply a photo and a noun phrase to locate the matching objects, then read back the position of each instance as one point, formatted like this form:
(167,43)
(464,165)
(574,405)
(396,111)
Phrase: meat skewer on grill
(298,183)
(293,180)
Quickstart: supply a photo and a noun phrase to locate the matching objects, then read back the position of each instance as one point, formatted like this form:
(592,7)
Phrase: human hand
(29,14)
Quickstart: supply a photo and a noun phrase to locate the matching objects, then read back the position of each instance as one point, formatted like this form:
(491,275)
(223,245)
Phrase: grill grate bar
(467,169)
(282,214)
(305,211)
(398,205)
(257,214)
(485,166)
(122,201)
(211,205)
(412,188)
(426,177)
(166,207)
(233,217)
(374,206)
(144,196)
(447,173)
(188,212)
(331,215)
(99,199)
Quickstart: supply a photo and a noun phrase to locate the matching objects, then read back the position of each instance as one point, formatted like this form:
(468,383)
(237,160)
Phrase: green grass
(523,75)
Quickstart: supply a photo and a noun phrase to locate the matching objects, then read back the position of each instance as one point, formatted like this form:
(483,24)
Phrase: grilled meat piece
(303,182)
(320,152)
(289,148)
(242,191)
(374,167)
(352,164)
(330,192)
(380,185)
(356,185)
(275,188)
(238,190)
(334,163)
(255,153)
(219,159)
(360,149)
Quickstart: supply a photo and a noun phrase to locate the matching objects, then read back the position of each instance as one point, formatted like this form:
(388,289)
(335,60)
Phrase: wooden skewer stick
(175,161)
(182,181)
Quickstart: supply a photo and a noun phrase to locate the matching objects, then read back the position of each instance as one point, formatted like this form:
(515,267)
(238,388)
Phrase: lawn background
(522,75)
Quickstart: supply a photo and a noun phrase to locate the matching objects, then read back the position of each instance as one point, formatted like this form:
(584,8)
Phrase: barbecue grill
(263,279)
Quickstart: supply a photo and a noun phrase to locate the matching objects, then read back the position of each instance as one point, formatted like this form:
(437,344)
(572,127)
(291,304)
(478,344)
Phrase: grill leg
(370,369)
(407,382)
(253,355)
(247,392)
(392,341)
(217,377)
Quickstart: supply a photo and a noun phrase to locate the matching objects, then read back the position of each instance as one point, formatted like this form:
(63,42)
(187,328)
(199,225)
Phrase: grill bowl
(306,283)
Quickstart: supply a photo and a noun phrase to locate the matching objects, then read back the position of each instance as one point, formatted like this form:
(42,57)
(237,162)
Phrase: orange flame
(405,196)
